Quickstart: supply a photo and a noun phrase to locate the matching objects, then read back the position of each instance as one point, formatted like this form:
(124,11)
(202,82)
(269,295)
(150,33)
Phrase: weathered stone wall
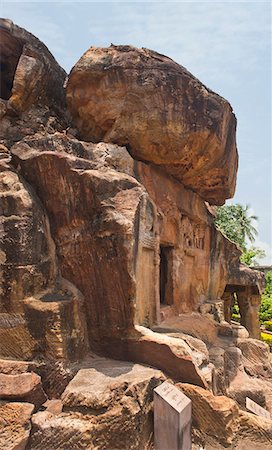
(183,227)
(105,241)
(101,251)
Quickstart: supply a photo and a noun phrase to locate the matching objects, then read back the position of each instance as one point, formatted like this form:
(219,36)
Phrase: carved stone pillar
(255,301)
(229,300)
(243,303)
(249,312)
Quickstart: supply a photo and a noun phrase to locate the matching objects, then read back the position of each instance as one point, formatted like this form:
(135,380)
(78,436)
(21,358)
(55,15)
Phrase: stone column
(249,311)
(243,303)
(254,331)
(229,300)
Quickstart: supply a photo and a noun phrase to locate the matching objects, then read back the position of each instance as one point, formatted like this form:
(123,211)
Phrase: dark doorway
(165,275)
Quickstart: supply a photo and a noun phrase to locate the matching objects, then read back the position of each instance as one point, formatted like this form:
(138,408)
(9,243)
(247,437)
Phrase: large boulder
(173,355)
(256,357)
(218,423)
(107,405)
(216,416)
(160,111)
(32,95)
(105,382)
(239,385)
(254,432)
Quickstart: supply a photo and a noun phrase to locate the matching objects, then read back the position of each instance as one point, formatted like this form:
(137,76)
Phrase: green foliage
(236,317)
(249,256)
(268,285)
(266,300)
(268,325)
(235,308)
(235,311)
(265,308)
(267,338)
(235,223)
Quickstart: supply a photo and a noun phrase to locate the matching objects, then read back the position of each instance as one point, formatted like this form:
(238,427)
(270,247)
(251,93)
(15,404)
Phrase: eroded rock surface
(218,423)
(113,249)
(255,357)
(93,217)
(216,416)
(107,405)
(139,98)
(32,96)
(25,387)
(15,425)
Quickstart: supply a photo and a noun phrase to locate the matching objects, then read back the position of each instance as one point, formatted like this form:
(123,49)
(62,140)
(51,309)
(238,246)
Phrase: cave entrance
(10,51)
(166,262)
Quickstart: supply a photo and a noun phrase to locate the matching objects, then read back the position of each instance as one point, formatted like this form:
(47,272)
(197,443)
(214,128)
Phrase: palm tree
(235,222)
(247,229)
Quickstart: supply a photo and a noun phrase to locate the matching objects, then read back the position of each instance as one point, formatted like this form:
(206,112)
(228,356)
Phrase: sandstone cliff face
(92,215)
(131,238)
(146,101)
(115,251)
(35,300)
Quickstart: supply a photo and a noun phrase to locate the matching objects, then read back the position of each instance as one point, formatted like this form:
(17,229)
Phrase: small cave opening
(166,255)
(10,51)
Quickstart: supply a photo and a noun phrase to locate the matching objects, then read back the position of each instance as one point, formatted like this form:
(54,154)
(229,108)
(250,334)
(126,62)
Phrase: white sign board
(172,418)
(257,409)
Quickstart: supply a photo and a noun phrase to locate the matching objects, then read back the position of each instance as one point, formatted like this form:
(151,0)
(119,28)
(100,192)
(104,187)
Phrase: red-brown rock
(108,405)
(146,101)
(15,425)
(26,387)
(215,415)
(13,367)
(88,232)
(32,95)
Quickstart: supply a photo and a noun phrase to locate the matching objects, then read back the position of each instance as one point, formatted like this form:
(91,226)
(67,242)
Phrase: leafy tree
(266,300)
(250,255)
(235,222)
(268,286)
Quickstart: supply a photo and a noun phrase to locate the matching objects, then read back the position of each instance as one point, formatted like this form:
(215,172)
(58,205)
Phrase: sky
(227,45)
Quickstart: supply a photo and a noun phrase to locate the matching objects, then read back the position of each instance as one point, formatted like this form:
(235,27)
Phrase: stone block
(172,418)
